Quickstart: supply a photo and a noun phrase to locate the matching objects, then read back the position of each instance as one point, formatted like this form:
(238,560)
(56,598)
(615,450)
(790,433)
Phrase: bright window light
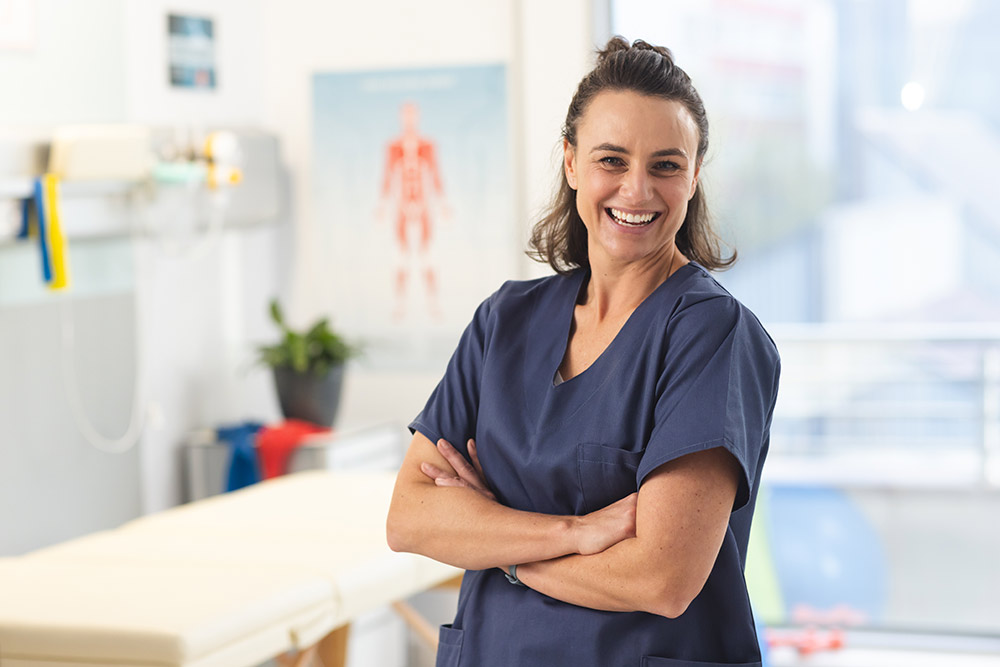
(912,96)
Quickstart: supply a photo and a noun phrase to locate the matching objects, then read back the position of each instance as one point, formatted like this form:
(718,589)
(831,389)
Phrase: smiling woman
(593,452)
(651,75)
(630,197)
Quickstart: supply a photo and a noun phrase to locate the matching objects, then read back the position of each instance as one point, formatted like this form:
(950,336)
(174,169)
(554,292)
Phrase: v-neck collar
(567,311)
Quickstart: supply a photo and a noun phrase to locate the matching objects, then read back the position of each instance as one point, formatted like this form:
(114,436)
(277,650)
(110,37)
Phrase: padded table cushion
(148,614)
(279,563)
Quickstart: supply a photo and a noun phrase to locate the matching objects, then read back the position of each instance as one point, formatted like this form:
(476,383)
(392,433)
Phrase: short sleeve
(717,389)
(452,409)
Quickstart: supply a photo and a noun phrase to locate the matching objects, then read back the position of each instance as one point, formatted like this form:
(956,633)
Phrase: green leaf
(319,329)
(298,352)
(317,350)
(276,313)
(273,355)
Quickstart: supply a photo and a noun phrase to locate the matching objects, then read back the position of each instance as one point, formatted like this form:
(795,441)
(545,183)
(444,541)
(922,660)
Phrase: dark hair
(560,237)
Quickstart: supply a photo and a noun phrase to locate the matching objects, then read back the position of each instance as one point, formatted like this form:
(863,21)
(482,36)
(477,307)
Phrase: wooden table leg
(300,659)
(453,583)
(332,649)
(418,623)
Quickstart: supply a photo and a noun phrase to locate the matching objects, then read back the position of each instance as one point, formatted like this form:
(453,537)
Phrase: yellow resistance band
(53,228)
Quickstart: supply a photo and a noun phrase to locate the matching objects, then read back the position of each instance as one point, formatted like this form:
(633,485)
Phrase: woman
(593,451)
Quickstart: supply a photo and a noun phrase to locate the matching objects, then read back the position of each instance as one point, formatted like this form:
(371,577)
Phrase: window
(853,164)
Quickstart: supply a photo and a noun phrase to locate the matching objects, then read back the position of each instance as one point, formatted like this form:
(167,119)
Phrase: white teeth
(622,216)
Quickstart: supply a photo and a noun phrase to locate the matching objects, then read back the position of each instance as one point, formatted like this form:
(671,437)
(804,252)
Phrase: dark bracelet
(512,576)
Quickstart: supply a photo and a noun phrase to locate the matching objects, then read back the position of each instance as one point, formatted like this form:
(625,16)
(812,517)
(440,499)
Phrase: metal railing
(889,403)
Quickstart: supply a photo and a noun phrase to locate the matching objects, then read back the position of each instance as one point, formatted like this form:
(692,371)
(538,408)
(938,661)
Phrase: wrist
(576,530)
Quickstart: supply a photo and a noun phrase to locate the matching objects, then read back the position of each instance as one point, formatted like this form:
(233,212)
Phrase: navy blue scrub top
(691,369)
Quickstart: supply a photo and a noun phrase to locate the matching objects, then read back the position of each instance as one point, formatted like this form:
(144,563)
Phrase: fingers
(474,455)
(459,482)
(451,481)
(432,470)
(457,461)
(472,476)
(452,456)
(440,477)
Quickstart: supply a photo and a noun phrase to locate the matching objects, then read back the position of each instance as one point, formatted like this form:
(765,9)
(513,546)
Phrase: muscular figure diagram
(410,164)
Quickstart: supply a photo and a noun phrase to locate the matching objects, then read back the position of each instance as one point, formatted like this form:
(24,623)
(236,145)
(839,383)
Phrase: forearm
(463,528)
(682,519)
(625,577)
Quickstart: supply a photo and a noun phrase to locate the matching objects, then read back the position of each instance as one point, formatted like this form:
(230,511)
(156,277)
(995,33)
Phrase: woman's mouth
(631,219)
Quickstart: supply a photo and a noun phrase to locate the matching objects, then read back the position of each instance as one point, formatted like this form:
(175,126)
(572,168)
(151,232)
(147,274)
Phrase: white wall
(73,69)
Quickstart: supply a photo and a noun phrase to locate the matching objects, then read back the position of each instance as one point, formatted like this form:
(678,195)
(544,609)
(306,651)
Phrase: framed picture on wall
(412,194)
(191,45)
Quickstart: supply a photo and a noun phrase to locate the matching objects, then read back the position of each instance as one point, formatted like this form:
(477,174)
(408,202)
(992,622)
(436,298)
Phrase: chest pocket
(606,474)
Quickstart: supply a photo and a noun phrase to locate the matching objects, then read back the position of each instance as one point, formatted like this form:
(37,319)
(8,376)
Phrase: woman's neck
(616,289)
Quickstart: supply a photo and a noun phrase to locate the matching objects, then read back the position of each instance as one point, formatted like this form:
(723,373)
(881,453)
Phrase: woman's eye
(612,161)
(666,166)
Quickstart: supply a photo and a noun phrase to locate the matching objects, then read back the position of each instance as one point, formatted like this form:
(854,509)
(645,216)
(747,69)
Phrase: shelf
(22,188)
(106,208)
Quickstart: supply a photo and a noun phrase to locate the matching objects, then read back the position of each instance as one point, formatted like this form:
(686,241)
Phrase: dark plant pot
(312,398)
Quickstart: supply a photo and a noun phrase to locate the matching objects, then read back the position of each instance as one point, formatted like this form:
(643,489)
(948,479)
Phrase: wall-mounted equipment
(150,184)
(113,179)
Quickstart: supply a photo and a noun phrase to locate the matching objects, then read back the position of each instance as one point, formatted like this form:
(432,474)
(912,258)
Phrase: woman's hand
(593,533)
(470,476)
(466,527)
(607,526)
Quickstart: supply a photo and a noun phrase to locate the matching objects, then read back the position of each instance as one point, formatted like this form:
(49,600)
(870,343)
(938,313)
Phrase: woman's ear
(569,163)
(694,181)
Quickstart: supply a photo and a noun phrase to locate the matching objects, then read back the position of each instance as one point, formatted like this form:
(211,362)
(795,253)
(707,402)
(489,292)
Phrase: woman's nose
(637,186)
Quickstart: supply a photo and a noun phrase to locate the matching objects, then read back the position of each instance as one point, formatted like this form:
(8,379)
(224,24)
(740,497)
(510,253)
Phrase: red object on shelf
(806,641)
(275,444)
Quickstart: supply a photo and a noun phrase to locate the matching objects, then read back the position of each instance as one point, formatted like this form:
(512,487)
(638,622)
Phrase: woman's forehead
(618,116)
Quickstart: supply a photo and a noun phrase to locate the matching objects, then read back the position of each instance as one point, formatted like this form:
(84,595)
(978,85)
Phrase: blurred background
(852,163)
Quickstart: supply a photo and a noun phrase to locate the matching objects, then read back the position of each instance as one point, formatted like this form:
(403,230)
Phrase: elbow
(674,608)
(406,521)
(668,607)
(393,538)
(396,535)
(671,590)
(668,600)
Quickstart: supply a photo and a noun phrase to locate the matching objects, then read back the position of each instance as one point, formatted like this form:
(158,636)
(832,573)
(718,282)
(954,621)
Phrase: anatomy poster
(413,197)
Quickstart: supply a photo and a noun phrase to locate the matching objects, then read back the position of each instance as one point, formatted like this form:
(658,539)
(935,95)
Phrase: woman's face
(634,169)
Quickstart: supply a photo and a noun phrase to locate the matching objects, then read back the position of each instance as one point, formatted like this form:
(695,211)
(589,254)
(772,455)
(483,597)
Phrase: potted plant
(308,369)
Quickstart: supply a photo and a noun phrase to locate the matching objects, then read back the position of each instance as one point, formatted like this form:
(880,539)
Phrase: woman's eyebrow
(608,147)
(671,151)
(660,153)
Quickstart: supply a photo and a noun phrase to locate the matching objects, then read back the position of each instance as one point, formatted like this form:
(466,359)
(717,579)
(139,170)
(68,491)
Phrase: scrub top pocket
(449,647)
(606,474)
(650,661)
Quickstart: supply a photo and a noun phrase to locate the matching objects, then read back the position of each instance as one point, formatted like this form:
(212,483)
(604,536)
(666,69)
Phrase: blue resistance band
(43,237)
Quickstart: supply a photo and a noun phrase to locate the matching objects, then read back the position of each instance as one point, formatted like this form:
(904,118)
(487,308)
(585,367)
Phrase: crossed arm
(651,551)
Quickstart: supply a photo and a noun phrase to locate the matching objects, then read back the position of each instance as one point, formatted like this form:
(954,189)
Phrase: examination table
(276,569)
